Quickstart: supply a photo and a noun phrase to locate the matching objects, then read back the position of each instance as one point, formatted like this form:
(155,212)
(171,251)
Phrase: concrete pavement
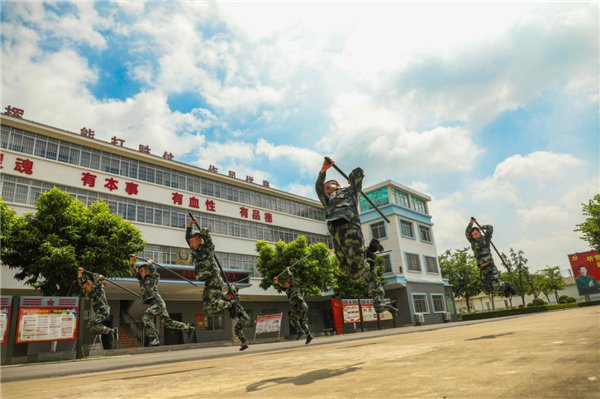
(546,355)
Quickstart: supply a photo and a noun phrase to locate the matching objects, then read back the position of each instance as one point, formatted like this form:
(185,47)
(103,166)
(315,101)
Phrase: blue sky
(490,108)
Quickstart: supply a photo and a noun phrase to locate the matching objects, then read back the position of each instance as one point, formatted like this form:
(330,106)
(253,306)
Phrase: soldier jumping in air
(148,277)
(343,222)
(299,312)
(236,311)
(94,289)
(206,268)
(488,273)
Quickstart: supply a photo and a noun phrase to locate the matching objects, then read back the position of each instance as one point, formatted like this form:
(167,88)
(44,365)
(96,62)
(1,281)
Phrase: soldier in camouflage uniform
(343,222)
(299,312)
(148,276)
(236,311)
(94,289)
(488,273)
(206,268)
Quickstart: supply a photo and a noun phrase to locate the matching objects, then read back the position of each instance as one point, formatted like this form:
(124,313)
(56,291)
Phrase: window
(438,303)
(387,263)
(431,264)
(378,230)
(400,198)
(379,198)
(413,262)
(214,322)
(406,229)
(419,205)
(424,233)
(420,303)
(32,143)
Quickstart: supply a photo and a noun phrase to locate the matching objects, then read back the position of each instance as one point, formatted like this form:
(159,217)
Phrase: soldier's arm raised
(356,179)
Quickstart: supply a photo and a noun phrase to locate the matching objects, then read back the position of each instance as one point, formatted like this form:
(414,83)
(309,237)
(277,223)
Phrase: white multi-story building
(412,274)
(155,192)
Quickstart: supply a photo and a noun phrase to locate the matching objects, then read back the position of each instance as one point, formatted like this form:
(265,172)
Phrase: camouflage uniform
(299,313)
(99,306)
(343,222)
(488,273)
(150,296)
(236,311)
(206,269)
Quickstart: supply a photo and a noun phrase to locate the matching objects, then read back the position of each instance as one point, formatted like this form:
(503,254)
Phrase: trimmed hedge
(517,311)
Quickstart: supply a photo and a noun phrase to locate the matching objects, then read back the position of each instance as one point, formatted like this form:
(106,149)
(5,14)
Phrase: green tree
(536,284)
(46,246)
(590,228)
(520,271)
(8,217)
(314,274)
(460,268)
(554,281)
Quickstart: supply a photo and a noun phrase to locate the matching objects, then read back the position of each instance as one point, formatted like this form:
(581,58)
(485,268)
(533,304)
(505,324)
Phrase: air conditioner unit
(420,319)
(447,316)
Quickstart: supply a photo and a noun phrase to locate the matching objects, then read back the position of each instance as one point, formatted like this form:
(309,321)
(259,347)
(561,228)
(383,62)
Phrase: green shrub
(538,302)
(570,299)
(517,311)
(563,298)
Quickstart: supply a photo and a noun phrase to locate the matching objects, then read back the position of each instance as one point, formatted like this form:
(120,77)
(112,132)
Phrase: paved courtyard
(547,355)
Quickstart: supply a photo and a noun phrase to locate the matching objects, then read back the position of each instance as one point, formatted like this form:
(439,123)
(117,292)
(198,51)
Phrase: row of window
(168,255)
(379,231)
(413,263)
(421,305)
(27,191)
(380,197)
(46,147)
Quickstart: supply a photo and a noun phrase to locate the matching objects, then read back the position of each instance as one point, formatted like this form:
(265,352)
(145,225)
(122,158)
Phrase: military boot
(190,332)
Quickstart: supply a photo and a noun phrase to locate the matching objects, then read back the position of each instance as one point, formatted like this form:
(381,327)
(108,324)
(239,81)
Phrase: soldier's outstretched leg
(303,321)
(348,243)
(243,318)
(293,315)
(213,299)
(374,287)
(95,325)
(148,321)
(176,325)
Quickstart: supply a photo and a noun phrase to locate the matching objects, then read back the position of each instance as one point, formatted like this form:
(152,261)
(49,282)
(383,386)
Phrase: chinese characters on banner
(586,269)
(5,308)
(351,311)
(88,179)
(245,213)
(269,323)
(368,310)
(47,319)
(14,111)
(24,166)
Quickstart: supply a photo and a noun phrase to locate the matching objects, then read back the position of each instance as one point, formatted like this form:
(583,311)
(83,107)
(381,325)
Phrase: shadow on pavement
(489,336)
(302,379)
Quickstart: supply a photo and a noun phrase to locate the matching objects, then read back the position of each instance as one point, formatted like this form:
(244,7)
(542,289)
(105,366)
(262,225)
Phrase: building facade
(412,274)
(155,193)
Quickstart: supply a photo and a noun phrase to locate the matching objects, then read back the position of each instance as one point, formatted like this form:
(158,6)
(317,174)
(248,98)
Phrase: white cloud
(419,186)
(223,153)
(520,177)
(304,190)
(307,160)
